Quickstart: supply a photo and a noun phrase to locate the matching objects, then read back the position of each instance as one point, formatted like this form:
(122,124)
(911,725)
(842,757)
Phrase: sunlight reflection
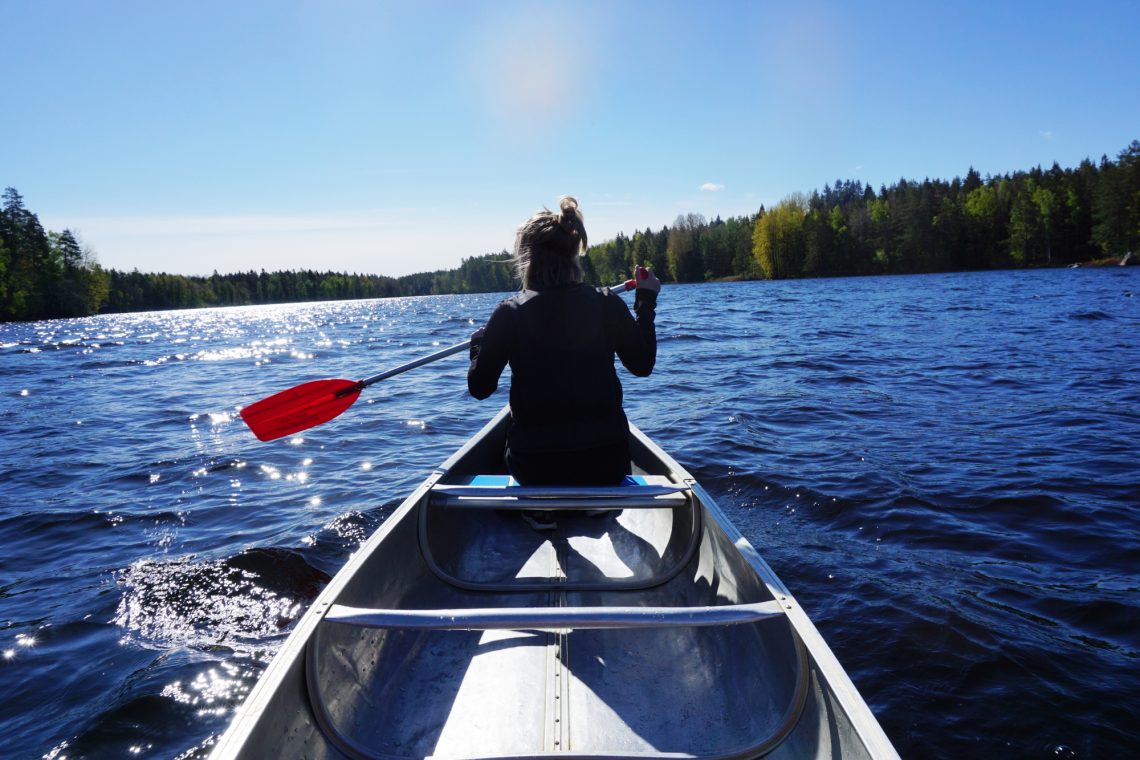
(600,553)
(191,602)
(211,691)
(542,564)
(224,354)
(654,526)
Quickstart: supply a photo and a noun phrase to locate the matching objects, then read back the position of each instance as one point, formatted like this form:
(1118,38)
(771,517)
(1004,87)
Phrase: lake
(944,469)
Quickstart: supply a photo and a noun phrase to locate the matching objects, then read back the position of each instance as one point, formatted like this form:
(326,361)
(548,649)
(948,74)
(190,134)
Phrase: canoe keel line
(644,626)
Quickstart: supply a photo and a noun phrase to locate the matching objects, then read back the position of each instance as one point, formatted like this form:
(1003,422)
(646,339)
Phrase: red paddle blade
(299,408)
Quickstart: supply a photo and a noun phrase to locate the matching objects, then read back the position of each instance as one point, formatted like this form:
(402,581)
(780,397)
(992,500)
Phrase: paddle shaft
(443,354)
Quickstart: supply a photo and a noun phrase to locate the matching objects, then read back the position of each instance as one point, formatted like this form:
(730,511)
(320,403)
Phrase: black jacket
(560,343)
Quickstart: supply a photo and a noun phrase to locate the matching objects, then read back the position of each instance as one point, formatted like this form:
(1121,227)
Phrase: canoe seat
(504,492)
(471,536)
(574,618)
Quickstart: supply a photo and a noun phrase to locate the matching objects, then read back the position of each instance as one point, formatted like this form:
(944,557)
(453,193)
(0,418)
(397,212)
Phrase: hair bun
(570,219)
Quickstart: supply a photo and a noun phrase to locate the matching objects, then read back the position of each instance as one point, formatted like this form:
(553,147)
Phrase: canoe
(642,626)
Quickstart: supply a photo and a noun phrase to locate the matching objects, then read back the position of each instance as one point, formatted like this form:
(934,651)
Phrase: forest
(1035,218)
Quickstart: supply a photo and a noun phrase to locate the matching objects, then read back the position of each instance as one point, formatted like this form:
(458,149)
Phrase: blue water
(944,469)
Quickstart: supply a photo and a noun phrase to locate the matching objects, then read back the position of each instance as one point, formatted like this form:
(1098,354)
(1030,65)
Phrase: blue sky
(400,137)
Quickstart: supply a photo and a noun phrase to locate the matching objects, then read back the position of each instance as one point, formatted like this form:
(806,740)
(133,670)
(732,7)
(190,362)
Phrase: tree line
(49,275)
(1041,217)
(138,291)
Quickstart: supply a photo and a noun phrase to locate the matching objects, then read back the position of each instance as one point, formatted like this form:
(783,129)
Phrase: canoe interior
(717,691)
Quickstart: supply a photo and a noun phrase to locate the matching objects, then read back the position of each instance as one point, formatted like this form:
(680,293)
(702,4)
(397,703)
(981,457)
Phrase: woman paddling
(560,337)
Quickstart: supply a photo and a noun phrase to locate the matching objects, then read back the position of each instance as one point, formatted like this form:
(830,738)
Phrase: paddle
(317,401)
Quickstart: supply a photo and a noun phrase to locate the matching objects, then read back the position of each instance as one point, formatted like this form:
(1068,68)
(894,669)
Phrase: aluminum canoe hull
(649,629)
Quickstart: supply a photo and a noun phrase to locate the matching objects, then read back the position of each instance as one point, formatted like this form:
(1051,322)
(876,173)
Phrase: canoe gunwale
(807,636)
(862,720)
(235,740)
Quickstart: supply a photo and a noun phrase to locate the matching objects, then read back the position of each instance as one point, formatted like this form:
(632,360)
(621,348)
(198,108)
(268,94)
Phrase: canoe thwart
(576,618)
(501,492)
(560,492)
(511,502)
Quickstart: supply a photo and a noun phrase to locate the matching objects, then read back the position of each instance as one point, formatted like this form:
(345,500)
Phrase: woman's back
(559,338)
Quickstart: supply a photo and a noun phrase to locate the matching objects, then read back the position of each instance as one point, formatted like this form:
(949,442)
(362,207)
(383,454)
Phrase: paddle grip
(631,283)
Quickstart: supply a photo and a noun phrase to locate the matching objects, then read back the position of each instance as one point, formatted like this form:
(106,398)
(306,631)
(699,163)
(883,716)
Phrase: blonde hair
(547,247)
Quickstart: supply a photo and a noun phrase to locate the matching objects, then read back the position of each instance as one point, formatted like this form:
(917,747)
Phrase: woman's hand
(477,342)
(646,280)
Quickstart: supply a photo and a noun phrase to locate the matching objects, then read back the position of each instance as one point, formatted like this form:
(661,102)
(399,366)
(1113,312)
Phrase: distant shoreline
(1101,263)
(1038,218)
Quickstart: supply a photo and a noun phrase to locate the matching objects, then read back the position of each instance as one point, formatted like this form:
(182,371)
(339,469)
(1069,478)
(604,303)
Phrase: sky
(391,138)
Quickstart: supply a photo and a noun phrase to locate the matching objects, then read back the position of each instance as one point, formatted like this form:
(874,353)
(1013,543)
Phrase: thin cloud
(711,187)
(159,226)
(379,241)
(1047,134)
